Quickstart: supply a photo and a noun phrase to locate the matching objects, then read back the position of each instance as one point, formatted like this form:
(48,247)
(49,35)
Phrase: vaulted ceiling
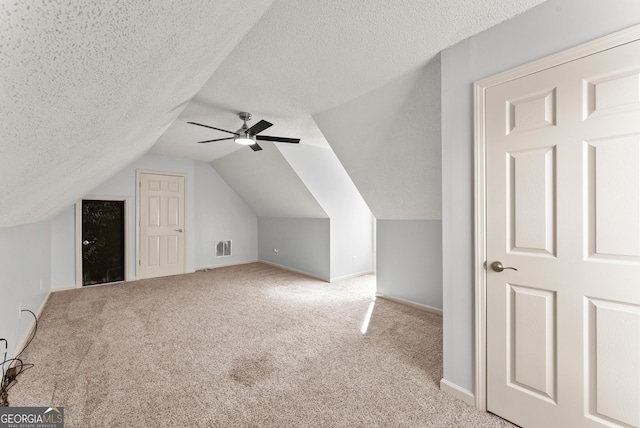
(87,87)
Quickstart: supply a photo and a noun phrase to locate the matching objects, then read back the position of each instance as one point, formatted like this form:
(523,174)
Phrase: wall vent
(223,248)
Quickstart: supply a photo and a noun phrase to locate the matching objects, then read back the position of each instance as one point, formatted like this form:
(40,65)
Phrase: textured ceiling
(87,87)
(340,58)
(259,179)
(307,57)
(302,58)
(391,145)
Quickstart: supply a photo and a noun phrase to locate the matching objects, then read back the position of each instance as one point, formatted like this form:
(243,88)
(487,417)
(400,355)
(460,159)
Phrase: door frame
(480,186)
(139,172)
(78,239)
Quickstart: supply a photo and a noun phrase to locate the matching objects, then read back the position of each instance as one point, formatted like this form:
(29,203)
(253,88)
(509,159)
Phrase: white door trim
(479,92)
(78,238)
(138,185)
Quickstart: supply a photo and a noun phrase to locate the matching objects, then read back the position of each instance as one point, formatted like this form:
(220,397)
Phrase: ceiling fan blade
(212,127)
(217,139)
(255,147)
(278,139)
(259,127)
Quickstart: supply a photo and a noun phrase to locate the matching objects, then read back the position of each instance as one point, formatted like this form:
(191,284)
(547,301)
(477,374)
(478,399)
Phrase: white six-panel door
(563,208)
(161,225)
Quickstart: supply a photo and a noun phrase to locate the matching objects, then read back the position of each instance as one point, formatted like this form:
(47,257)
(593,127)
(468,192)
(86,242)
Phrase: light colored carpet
(242,346)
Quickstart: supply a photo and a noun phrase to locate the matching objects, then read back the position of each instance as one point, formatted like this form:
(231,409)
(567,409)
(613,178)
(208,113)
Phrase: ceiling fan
(249,136)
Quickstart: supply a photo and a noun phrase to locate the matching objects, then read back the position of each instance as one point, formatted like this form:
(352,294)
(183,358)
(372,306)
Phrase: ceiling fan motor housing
(244,137)
(244,116)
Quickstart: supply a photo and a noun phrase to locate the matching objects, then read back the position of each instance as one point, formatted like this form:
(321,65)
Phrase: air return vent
(223,248)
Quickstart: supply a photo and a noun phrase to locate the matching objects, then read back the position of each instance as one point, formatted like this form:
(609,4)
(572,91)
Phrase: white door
(563,208)
(161,240)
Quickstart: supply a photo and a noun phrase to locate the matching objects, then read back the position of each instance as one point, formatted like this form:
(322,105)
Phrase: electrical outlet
(275,251)
(19,312)
(354,259)
(40,284)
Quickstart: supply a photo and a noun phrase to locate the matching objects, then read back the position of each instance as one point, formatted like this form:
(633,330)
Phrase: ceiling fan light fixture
(245,140)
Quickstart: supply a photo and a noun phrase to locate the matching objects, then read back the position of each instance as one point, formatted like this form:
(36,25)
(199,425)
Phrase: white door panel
(162,225)
(563,207)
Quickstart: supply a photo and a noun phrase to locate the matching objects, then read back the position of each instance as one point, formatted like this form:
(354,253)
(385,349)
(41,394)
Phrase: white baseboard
(457,392)
(63,288)
(351,275)
(246,262)
(406,302)
(32,325)
(295,270)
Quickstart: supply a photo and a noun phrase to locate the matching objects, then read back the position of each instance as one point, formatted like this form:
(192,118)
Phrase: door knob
(498,267)
(85,242)
(178,230)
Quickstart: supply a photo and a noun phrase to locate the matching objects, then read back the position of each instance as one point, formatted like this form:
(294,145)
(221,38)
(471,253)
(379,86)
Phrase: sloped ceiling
(353,75)
(260,184)
(391,144)
(87,87)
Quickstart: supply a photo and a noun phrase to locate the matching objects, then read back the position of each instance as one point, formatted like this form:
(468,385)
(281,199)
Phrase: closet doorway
(101,224)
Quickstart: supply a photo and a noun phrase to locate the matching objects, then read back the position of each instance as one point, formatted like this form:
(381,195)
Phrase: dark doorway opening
(103,245)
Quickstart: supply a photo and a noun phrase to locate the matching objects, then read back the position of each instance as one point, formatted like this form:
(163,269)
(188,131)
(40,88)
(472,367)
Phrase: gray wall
(548,28)
(351,221)
(410,260)
(389,142)
(302,243)
(25,264)
(220,216)
(63,254)
(214,212)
